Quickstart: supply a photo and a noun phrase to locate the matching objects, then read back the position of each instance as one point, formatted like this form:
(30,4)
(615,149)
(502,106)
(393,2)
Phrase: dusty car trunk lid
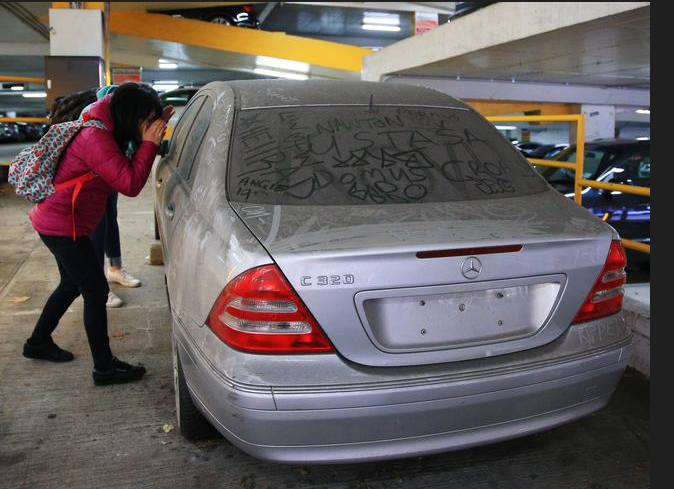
(358,270)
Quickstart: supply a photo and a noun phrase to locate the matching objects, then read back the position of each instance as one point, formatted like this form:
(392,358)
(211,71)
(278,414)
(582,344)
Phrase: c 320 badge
(327,280)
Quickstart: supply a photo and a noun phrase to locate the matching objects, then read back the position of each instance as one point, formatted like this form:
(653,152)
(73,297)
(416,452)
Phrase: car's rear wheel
(156,227)
(191,422)
(219,19)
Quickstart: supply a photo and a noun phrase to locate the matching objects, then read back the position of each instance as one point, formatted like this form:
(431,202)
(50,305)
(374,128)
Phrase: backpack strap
(78,183)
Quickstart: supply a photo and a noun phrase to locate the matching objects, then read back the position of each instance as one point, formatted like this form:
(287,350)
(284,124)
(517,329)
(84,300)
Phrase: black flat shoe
(47,351)
(118,373)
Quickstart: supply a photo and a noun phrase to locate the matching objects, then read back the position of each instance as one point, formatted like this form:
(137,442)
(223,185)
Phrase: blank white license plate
(456,319)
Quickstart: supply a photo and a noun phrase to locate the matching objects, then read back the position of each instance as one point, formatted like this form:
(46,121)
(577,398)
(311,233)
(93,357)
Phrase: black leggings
(80,274)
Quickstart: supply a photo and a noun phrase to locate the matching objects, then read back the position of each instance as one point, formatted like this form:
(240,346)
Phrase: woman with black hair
(132,114)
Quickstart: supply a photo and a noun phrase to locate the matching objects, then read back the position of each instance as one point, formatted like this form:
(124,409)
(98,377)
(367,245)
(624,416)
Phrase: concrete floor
(58,430)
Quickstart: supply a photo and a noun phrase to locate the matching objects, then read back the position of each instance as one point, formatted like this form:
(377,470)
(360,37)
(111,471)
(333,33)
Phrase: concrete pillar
(599,121)
(77,51)
(76,32)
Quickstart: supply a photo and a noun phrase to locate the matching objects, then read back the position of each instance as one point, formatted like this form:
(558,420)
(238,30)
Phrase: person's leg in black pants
(101,239)
(107,237)
(81,273)
(113,247)
(98,240)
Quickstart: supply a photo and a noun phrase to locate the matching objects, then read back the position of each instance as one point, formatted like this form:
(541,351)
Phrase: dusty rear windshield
(351,155)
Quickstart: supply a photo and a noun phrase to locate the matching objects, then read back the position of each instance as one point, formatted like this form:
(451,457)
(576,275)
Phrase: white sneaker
(122,277)
(113,300)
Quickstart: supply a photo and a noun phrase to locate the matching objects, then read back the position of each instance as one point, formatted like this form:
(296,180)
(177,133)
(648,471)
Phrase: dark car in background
(621,161)
(233,15)
(527,148)
(465,8)
(178,98)
(20,132)
(547,151)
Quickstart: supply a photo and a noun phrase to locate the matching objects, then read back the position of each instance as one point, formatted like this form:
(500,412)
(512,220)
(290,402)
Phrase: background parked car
(9,132)
(547,151)
(622,161)
(465,8)
(19,132)
(178,98)
(233,15)
(527,148)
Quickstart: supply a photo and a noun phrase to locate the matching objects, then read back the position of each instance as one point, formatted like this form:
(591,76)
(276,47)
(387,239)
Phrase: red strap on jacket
(78,183)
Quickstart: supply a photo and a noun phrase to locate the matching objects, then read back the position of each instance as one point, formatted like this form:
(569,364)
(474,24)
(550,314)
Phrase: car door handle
(159,182)
(170,210)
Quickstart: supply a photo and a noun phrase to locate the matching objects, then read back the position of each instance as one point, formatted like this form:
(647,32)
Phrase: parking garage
(352,244)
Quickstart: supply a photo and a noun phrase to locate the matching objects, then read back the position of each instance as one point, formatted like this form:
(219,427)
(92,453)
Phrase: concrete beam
(248,42)
(24,49)
(495,25)
(530,92)
(431,7)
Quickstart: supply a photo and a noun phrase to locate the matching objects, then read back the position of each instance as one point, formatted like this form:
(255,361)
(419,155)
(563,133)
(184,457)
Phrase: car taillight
(259,312)
(606,297)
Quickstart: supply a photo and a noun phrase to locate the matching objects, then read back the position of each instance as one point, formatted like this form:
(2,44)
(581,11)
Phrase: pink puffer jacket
(92,150)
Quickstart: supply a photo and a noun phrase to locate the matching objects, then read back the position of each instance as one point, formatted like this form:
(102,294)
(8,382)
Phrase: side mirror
(617,180)
(163,148)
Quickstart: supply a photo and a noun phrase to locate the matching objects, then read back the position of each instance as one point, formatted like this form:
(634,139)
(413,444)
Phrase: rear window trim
(295,106)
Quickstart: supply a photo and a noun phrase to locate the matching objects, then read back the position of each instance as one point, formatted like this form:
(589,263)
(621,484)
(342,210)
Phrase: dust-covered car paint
(442,269)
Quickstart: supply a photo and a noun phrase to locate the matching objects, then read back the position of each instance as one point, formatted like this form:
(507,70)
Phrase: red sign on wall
(120,75)
(424,21)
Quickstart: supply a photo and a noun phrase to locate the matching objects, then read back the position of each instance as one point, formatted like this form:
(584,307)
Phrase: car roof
(280,93)
(615,143)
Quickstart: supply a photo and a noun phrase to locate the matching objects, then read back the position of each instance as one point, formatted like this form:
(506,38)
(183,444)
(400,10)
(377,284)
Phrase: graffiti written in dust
(342,155)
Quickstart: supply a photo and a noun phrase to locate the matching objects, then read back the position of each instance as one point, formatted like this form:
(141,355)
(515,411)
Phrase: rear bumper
(384,420)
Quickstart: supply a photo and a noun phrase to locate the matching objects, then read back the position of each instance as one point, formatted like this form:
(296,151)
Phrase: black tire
(191,423)
(156,227)
(4,173)
(220,19)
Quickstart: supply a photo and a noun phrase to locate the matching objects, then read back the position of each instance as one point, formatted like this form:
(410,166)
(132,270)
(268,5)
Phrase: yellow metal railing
(21,79)
(577,167)
(25,119)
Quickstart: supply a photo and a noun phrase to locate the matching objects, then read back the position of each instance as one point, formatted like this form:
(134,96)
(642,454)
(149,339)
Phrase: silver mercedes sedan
(363,271)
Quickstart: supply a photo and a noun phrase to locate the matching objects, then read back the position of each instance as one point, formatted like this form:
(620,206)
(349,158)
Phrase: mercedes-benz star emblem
(471,268)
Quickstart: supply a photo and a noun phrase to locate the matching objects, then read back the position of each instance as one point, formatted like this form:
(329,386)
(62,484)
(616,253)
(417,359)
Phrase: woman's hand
(154,132)
(168,112)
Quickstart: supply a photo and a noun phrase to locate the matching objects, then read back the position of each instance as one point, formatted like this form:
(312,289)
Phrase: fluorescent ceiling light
(281,74)
(165,82)
(34,95)
(381,18)
(168,66)
(164,87)
(386,28)
(644,138)
(506,128)
(643,111)
(16,88)
(282,64)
